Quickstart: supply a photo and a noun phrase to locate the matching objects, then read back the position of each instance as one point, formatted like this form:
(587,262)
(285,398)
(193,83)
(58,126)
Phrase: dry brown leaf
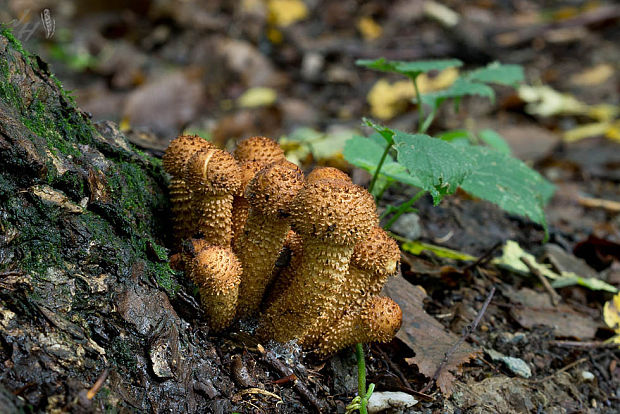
(426,336)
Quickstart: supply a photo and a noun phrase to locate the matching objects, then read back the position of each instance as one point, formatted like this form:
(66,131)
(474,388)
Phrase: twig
(553,295)
(466,332)
(484,258)
(566,368)
(609,205)
(587,345)
(97,385)
(394,368)
(270,358)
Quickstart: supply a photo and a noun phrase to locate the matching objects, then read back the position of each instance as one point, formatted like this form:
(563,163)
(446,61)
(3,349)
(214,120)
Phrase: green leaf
(494,140)
(507,182)
(366,153)
(417,247)
(410,69)
(498,73)
(385,132)
(439,166)
(456,137)
(570,279)
(459,89)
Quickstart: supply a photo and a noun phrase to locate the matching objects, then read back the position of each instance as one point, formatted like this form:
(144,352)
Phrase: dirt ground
(159,67)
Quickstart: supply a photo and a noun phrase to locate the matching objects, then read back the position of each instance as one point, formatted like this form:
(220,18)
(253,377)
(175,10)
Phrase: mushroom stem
(283,275)
(270,194)
(312,294)
(258,247)
(213,177)
(180,201)
(214,220)
(376,320)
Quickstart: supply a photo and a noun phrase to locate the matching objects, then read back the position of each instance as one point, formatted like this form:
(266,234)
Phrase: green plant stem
(361,377)
(429,119)
(371,186)
(403,208)
(420,106)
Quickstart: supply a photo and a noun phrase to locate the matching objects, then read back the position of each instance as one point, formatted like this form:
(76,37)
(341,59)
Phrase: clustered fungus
(242,213)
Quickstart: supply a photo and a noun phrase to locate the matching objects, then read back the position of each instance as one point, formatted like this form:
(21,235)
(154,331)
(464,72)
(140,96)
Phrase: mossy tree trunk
(85,285)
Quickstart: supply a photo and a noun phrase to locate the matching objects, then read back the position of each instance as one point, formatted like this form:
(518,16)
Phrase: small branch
(585,345)
(609,205)
(466,332)
(555,298)
(270,358)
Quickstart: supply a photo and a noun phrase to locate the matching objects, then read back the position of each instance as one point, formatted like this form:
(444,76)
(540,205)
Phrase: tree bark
(86,291)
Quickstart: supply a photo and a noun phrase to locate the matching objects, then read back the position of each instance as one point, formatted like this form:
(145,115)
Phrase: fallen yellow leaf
(286,12)
(586,131)
(369,29)
(611,313)
(593,76)
(255,97)
(387,99)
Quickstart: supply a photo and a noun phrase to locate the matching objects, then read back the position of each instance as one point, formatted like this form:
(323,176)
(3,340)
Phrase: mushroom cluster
(238,216)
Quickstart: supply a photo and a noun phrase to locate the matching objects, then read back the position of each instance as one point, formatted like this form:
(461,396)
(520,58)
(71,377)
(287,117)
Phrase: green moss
(123,355)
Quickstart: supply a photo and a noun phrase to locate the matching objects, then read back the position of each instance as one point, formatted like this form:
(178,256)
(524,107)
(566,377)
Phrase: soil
(87,293)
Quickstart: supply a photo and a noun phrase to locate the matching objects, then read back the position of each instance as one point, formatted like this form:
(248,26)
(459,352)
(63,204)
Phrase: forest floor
(163,67)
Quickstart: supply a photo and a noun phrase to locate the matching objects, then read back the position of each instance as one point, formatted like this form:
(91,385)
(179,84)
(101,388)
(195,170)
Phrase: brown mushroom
(241,207)
(174,160)
(374,259)
(270,195)
(331,216)
(321,173)
(376,320)
(260,149)
(213,177)
(217,272)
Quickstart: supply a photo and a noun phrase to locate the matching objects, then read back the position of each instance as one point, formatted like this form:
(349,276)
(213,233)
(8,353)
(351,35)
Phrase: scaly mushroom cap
(259,149)
(273,189)
(377,320)
(212,171)
(377,253)
(217,272)
(335,211)
(190,251)
(321,173)
(180,150)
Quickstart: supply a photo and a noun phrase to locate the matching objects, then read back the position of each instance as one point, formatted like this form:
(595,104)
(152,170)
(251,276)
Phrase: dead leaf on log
(426,336)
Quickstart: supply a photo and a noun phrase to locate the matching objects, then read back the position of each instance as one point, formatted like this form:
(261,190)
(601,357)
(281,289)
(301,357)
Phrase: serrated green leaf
(366,154)
(459,89)
(507,182)
(498,73)
(410,69)
(494,140)
(384,131)
(439,166)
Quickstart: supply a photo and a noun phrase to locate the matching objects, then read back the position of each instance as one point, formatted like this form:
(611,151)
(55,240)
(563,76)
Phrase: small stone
(395,402)
(587,376)
(408,225)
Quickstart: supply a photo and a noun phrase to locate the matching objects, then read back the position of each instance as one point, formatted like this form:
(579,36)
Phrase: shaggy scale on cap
(260,149)
(322,173)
